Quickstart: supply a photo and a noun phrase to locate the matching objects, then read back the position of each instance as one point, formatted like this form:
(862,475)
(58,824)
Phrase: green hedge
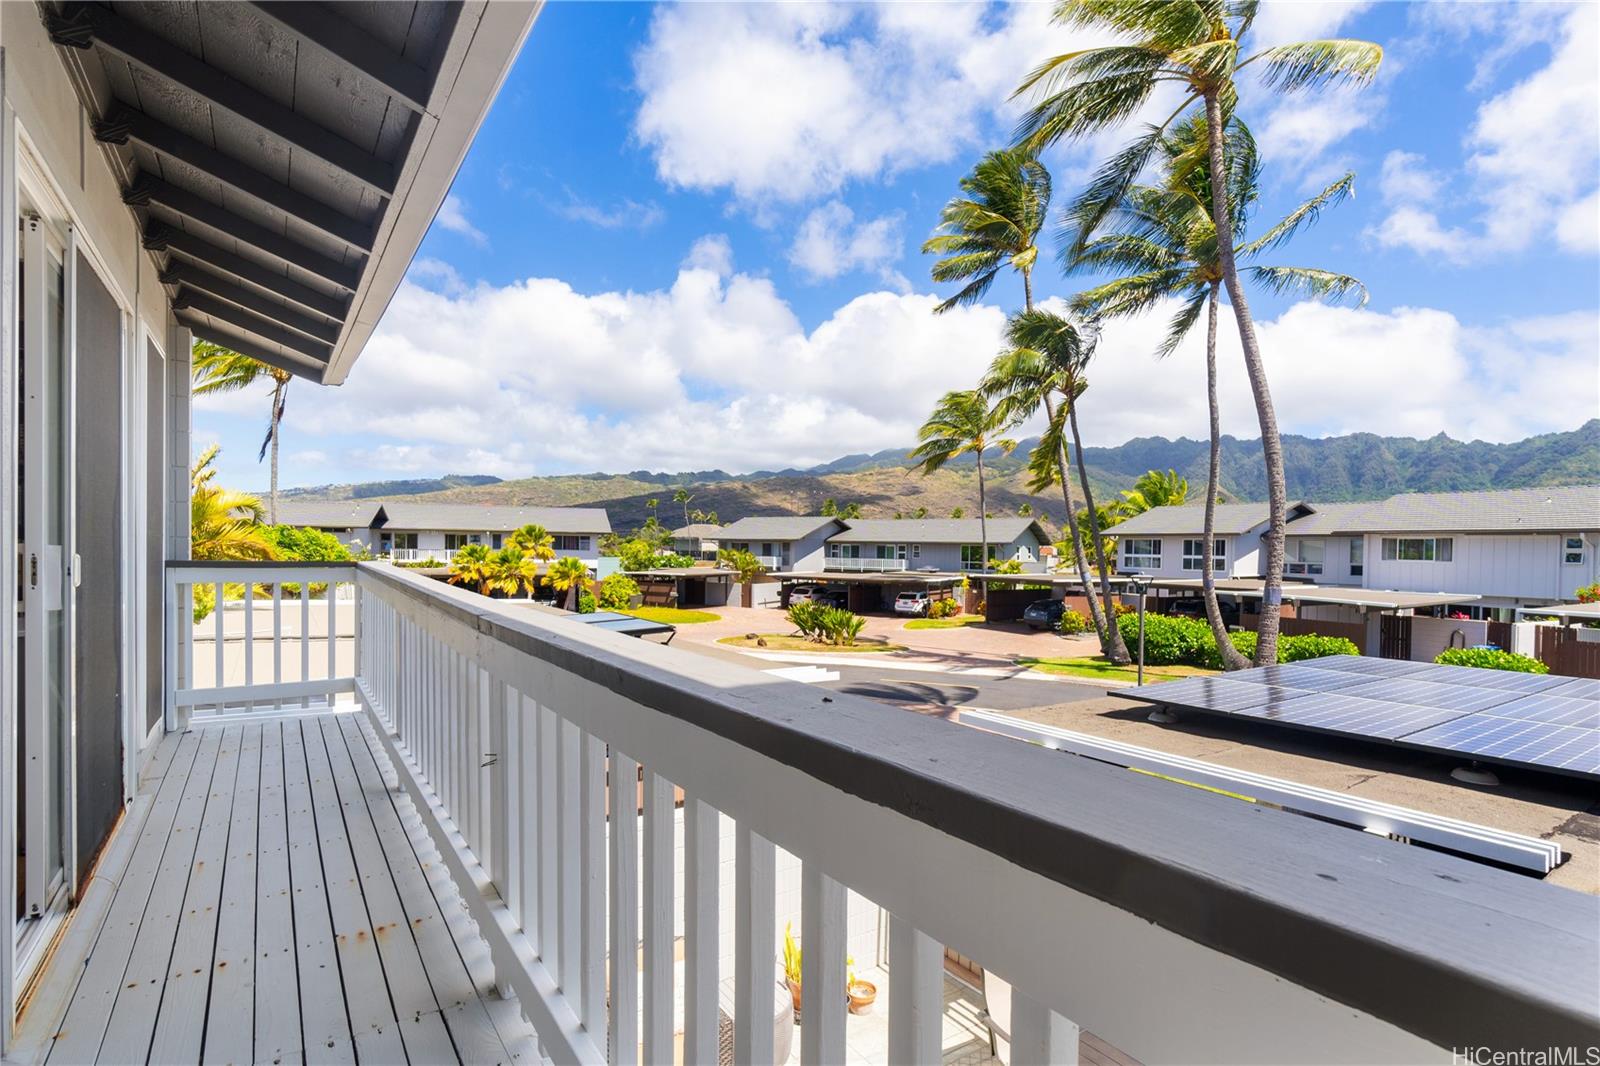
(1172,641)
(1491,659)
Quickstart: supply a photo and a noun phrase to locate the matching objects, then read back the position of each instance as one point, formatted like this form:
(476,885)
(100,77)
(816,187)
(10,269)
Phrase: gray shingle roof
(1329,518)
(777,527)
(1231,520)
(698,529)
(328,514)
(936,531)
(1553,509)
(471,517)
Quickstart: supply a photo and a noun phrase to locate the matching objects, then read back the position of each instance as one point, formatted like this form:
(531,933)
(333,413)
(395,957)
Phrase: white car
(803,593)
(911,603)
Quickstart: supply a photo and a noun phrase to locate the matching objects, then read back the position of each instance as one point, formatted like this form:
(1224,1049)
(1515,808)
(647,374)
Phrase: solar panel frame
(1510,722)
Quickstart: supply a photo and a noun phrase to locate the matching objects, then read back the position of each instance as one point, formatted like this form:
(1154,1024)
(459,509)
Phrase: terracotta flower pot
(794,993)
(862,994)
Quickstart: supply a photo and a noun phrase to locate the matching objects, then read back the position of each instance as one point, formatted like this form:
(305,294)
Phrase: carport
(684,586)
(871,593)
(1008,595)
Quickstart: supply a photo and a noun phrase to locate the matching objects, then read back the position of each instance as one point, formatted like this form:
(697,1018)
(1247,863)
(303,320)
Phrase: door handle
(33,569)
(74,569)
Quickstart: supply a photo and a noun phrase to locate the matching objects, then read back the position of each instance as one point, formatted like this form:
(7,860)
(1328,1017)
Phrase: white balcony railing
(864,565)
(416,555)
(1176,924)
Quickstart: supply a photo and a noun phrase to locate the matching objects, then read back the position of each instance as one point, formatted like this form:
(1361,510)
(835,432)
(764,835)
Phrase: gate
(1559,648)
(1395,637)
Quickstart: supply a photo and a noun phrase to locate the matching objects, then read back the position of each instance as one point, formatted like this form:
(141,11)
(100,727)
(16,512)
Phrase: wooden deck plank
(83,1024)
(422,1029)
(514,1030)
(134,1015)
(325,1022)
(276,1036)
(471,1028)
(179,1023)
(366,988)
(230,1018)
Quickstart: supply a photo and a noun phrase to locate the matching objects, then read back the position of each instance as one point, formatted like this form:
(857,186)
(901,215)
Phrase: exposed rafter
(159,237)
(83,25)
(308,368)
(152,190)
(316,25)
(125,124)
(252,324)
(187,274)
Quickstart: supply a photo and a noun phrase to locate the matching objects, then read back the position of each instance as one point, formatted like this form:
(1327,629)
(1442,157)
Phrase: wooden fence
(1559,648)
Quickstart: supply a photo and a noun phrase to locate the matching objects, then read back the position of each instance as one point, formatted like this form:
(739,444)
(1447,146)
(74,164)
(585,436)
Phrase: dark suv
(1194,607)
(1043,614)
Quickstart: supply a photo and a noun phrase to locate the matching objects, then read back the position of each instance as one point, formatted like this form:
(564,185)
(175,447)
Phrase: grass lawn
(1095,666)
(955,622)
(790,642)
(676,616)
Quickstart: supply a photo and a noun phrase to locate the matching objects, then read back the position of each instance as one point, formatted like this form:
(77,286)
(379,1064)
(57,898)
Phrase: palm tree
(994,225)
(683,497)
(1197,44)
(223,524)
(470,566)
(1154,488)
(218,369)
(569,575)
(1162,241)
(1044,368)
(534,541)
(511,570)
(963,423)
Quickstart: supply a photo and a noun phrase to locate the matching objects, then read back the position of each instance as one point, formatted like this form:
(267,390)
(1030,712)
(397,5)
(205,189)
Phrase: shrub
(585,602)
(826,625)
(1168,641)
(945,608)
(1122,609)
(1312,646)
(617,592)
(1491,659)
(1589,593)
(1210,659)
(1073,623)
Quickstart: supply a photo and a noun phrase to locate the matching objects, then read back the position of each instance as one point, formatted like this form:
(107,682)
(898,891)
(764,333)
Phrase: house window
(1358,555)
(405,540)
(1303,558)
(1418,549)
(844,551)
(455,541)
(766,549)
(916,551)
(1193,561)
(568,542)
(1141,554)
(495,541)
(1572,551)
(972,556)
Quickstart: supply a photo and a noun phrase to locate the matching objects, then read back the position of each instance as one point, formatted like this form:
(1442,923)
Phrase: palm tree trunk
(983,531)
(1231,659)
(277,412)
(1096,615)
(1271,446)
(1116,650)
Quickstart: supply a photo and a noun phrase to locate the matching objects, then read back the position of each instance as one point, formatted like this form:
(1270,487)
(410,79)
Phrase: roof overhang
(286,159)
(1371,599)
(1582,612)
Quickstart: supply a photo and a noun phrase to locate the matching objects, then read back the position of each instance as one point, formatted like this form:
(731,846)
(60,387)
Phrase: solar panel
(1361,665)
(1533,720)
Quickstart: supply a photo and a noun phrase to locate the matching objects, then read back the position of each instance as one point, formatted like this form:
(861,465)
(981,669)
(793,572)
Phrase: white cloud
(453,217)
(887,87)
(1405,178)
(1533,154)
(830,243)
(1286,21)
(624,214)
(717,371)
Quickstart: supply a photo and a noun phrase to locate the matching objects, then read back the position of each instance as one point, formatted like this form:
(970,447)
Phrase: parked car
(911,603)
(804,593)
(831,597)
(1194,607)
(1044,614)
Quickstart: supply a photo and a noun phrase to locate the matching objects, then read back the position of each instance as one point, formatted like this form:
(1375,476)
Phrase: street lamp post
(1141,583)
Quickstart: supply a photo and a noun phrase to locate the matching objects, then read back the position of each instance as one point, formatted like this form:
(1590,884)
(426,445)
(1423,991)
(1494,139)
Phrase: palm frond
(1182,323)
(1305,281)
(1304,215)
(1315,64)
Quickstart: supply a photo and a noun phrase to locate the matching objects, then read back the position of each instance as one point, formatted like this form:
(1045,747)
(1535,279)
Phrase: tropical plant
(1005,566)
(1199,46)
(470,566)
(995,224)
(850,510)
(792,957)
(306,545)
(964,423)
(535,541)
(744,563)
(571,576)
(617,592)
(217,369)
(224,525)
(1044,367)
(682,498)
(1162,243)
(1491,659)
(511,570)
(958,512)
(944,608)
(1072,623)
(1154,488)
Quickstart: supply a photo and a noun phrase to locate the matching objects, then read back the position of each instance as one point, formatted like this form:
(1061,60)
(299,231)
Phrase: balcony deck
(282,903)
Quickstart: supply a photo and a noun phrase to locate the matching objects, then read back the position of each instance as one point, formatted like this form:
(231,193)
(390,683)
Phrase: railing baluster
(569,855)
(217,627)
(527,720)
(499,791)
(549,903)
(592,979)
(624,1030)
(305,631)
(1040,1036)
(471,723)
(332,596)
(700,926)
(277,639)
(754,948)
(177,612)
(249,639)
(916,993)
(658,924)
(823,927)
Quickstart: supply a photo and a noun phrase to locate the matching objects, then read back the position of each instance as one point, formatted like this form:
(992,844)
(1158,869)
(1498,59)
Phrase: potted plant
(861,993)
(791,966)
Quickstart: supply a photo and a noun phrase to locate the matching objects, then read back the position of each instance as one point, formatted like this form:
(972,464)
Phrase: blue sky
(687,237)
